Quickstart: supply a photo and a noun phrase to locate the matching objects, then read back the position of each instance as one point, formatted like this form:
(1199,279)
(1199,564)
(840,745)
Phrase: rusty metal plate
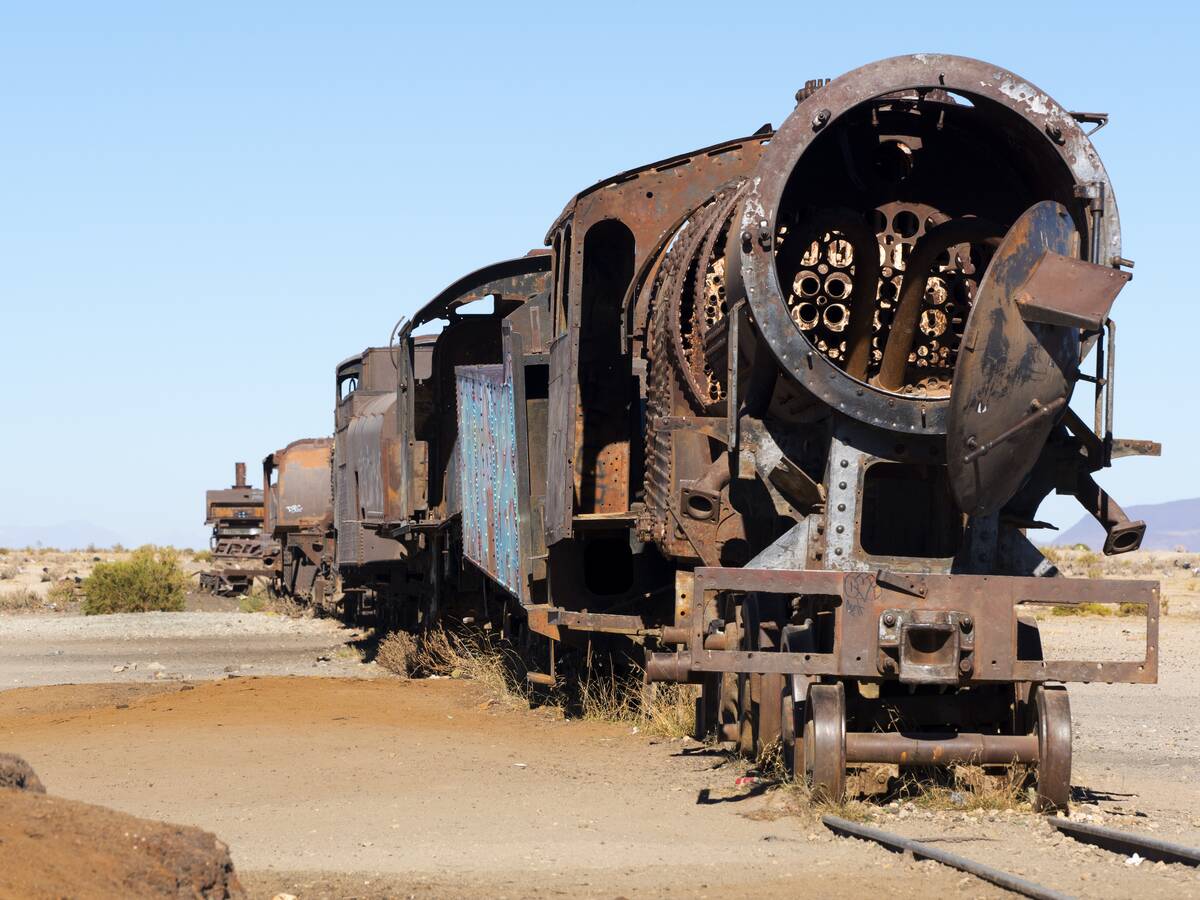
(1063,290)
(1013,378)
(487,450)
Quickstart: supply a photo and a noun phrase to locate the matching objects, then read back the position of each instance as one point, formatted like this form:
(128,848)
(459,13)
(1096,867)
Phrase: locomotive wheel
(1052,712)
(824,742)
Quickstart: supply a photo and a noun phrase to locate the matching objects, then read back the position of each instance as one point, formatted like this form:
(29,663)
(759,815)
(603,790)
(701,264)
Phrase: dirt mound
(16,773)
(51,847)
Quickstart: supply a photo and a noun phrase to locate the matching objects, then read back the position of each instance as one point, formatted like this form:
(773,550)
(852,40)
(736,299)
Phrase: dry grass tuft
(397,653)
(960,789)
(670,711)
(260,600)
(1107,609)
(660,710)
(23,600)
(615,697)
(474,655)
(63,593)
(973,788)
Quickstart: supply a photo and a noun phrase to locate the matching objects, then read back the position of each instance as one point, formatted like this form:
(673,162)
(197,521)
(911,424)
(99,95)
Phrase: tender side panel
(488,473)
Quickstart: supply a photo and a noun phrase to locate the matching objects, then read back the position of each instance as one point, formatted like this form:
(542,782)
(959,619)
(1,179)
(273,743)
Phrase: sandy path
(132,647)
(370,788)
(425,785)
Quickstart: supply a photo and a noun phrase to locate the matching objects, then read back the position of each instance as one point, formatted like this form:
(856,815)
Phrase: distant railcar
(298,494)
(236,517)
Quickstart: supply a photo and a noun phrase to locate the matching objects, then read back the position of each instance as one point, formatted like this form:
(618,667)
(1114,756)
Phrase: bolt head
(889,620)
(965,623)
(964,665)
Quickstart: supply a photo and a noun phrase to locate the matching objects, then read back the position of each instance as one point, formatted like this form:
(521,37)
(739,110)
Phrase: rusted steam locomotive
(237,544)
(777,412)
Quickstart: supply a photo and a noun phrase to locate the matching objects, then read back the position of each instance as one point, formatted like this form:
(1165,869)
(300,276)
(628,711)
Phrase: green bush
(151,579)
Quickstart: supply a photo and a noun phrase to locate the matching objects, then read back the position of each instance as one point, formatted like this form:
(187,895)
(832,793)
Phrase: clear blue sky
(205,206)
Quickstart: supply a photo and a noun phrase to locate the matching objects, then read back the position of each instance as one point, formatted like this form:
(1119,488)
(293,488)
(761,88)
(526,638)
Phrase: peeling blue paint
(487,447)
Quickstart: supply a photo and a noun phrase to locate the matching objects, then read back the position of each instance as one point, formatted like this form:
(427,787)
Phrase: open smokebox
(942,261)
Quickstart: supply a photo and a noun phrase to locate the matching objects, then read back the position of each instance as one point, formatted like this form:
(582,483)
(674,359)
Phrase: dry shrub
(396,653)
(260,600)
(151,579)
(202,555)
(661,710)
(7,573)
(474,655)
(972,788)
(62,593)
(608,697)
(963,788)
(23,600)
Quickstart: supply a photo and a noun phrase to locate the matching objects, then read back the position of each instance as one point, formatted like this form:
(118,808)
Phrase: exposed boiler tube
(916,273)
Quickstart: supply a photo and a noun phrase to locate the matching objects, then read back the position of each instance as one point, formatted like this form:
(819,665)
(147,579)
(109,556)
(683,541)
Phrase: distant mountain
(63,536)
(1168,525)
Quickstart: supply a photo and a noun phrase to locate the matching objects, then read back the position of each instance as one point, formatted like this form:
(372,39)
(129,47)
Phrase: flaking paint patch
(1027,94)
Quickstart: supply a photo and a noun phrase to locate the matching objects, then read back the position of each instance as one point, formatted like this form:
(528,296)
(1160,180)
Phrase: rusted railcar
(778,413)
(800,394)
(298,502)
(365,474)
(475,312)
(237,546)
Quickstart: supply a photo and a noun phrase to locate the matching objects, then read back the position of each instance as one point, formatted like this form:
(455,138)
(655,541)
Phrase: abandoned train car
(298,503)
(778,412)
(237,543)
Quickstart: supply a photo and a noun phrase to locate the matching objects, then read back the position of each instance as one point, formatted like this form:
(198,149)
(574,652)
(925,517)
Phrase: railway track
(1123,842)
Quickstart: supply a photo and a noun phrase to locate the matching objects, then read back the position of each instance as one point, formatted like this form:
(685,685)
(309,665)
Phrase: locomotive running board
(860,600)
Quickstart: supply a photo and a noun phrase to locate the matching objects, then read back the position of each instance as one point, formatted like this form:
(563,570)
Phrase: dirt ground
(72,849)
(367,786)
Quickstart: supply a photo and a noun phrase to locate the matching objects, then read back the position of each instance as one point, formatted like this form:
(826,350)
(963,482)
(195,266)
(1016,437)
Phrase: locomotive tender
(778,412)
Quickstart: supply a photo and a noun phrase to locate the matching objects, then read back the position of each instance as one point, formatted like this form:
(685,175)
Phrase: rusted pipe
(676,667)
(682,634)
(676,634)
(715,477)
(1121,533)
(941,749)
(912,292)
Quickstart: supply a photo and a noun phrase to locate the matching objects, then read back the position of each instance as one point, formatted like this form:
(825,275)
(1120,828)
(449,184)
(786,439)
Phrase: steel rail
(900,844)
(1127,842)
